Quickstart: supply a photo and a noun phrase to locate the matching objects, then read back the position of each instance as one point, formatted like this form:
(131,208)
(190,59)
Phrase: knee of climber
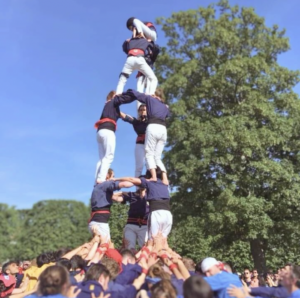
(123,74)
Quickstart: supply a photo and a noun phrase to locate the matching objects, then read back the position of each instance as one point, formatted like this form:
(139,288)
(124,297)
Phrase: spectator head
(291,278)
(127,256)
(54,280)
(196,287)
(112,266)
(77,263)
(44,258)
(189,264)
(157,271)
(110,95)
(26,264)
(247,274)
(163,289)
(99,273)
(10,268)
(255,272)
(65,263)
(110,174)
(210,266)
(60,253)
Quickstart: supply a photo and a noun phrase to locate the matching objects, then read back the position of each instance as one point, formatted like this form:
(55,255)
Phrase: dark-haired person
(53,282)
(196,287)
(160,218)
(136,49)
(97,281)
(147,29)
(101,201)
(163,289)
(156,132)
(106,128)
(135,229)
(139,125)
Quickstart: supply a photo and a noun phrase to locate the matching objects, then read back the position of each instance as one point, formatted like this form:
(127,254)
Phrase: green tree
(117,223)
(9,232)
(54,224)
(234,135)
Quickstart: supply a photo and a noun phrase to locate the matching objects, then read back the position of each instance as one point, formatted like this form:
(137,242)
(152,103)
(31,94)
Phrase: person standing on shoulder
(156,132)
(139,125)
(101,201)
(146,29)
(136,49)
(160,218)
(106,138)
(136,227)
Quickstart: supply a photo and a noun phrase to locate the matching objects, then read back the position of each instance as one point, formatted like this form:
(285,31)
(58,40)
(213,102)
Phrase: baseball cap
(207,263)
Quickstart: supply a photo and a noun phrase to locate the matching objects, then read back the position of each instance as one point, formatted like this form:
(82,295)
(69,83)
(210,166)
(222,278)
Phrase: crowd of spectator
(96,269)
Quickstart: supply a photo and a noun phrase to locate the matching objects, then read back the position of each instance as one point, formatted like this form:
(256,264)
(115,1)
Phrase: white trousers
(106,145)
(155,140)
(160,221)
(139,159)
(133,233)
(142,85)
(102,228)
(137,63)
(141,27)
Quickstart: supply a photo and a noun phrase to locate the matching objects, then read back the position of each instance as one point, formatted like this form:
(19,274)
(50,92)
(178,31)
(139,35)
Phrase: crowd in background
(97,269)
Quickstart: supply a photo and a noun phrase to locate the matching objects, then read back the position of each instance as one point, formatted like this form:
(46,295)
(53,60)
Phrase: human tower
(149,212)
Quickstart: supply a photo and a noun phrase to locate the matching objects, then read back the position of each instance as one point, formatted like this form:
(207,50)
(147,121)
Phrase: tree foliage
(234,135)
(54,224)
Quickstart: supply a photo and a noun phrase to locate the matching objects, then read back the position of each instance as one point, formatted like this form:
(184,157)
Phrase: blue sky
(58,60)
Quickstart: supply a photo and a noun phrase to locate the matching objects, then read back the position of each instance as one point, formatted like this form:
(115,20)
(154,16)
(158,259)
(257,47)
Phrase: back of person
(221,281)
(156,109)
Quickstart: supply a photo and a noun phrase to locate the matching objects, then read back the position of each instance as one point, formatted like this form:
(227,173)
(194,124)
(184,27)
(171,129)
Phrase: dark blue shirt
(136,43)
(156,190)
(138,207)
(129,273)
(88,287)
(111,110)
(278,292)
(139,126)
(102,194)
(156,109)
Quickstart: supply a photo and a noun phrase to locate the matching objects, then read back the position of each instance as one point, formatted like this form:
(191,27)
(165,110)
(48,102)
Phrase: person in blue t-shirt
(291,281)
(218,280)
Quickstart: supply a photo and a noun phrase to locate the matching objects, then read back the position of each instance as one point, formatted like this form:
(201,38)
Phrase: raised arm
(127,118)
(132,180)
(141,97)
(123,99)
(164,178)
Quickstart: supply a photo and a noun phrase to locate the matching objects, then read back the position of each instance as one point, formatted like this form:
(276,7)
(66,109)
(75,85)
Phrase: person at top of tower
(136,49)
